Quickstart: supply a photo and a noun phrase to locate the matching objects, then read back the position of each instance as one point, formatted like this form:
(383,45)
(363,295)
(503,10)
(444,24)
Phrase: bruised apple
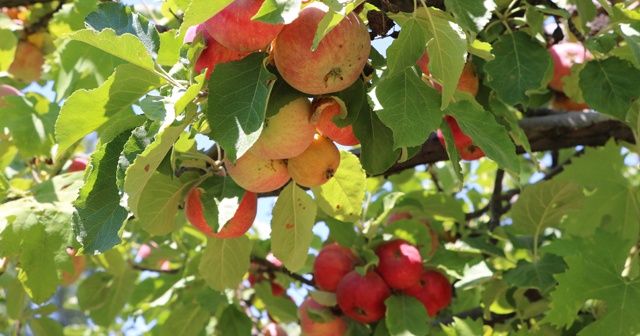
(433,290)
(234,29)
(238,225)
(362,297)
(337,326)
(334,65)
(286,134)
(400,263)
(317,164)
(564,56)
(79,264)
(27,64)
(468,81)
(331,265)
(257,174)
(560,101)
(327,108)
(468,151)
(215,53)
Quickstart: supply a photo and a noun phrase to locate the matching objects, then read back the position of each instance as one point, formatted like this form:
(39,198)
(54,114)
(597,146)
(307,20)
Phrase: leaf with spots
(342,196)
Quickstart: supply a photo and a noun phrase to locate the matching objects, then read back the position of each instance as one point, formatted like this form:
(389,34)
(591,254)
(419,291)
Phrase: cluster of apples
(564,56)
(28,60)
(400,271)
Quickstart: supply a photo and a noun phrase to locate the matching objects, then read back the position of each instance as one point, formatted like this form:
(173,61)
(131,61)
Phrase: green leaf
(186,319)
(537,274)
(99,216)
(466,327)
(452,150)
(377,150)
(16,300)
(519,67)
(342,196)
(201,11)
(618,86)
(220,200)
(472,15)
(406,316)
(342,232)
(225,261)
(159,202)
(92,291)
(443,207)
(594,273)
(407,49)
(8,44)
(119,291)
(44,326)
(238,95)
(233,322)
(413,231)
(278,11)
(280,307)
(86,111)
(544,204)
(409,108)
(330,20)
(508,116)
(291,226)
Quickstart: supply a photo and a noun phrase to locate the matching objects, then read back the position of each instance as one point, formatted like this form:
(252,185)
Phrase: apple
(560,101)
(256,275)
(362,297)
(79,264)
(7,90)
(468,151)
(327,108)
(317,164)
(564,56)
(237,226)
(331,265)
(192,32)
(273,329)
(144,251)
(27,64)
(433,290)
(400,263)
(286,134)
(468,81)
(77,164)
(335,327)
(234,28)
(396,216)
(215,53)
(257,174)
(334,65)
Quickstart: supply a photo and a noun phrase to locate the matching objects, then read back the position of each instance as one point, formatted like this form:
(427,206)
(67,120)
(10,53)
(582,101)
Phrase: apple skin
(256,174)
(215,53)
(27,64)
(468,81)
(468,151)
(564,56)
(400,263)
(395,216)
(273,329)
(79,264)
(328,108)
(334,65)
(237,226)
(77,164)
(561,102)
(335,327)
(234,29)
(286,134)
(331,265)
(433,290)
(362,297)
(317,164)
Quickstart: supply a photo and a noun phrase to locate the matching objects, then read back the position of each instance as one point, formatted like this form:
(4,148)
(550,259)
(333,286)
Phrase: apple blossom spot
(337,206)
(146,168)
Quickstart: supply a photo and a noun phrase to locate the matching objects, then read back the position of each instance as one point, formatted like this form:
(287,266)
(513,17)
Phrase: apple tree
(284,167)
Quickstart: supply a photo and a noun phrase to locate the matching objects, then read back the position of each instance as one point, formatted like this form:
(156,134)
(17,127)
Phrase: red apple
(273,329)
(334,65)
(237,226)
(331,265)
(79,264)
(327,108)
(396,216)
(468,81)
(468,151)
(560,101)
(215,53)
(77,164)
(336,327)
(400,263)
(257,174)
(564,56)
(317,164)
(433,290)
(234,29)
(27,64)
(362,297)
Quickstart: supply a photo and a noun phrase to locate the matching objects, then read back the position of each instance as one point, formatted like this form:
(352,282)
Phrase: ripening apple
(286,134)
(564,56)
(215,53)
(468,81)
(468,151)
(237,226)
(77,164)
(317,164)
(336,327)
(400,263)
(561,102)
(234,29)
(433,290)
(334,65)
(331,265)
(256,174)
(327,108)
(79,264)
(362,297)
(27,64)
(396,216)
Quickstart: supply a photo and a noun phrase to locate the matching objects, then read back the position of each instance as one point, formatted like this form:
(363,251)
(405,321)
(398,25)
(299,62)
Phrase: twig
(495,204)
(44,20)
(434,178)
(142,268)
(474,314)
(270,267)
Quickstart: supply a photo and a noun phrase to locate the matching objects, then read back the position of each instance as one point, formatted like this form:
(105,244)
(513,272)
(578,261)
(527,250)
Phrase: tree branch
(495,204)
(270,267)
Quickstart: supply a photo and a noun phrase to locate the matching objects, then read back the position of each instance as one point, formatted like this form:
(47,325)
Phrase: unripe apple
(237,226)
(334,65)
(362,297)
(331,265)
(327,108)
(234,29)
(561,102)
(77,164)
(400,263)
(27,64)
(468,151)
(468,81)
(215,53)
(564,56)
(273,329)
(256,174)
(317,164)
(433,290)
(79,264)
(286,134)
(336,327)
